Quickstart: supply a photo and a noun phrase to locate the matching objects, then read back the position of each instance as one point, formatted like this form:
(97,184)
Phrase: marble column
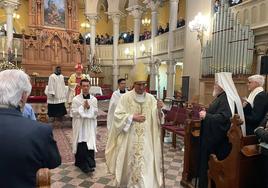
(92,18)
(153,74)
(171,71)
(136,11)
(171,65)
(154,27)
(9,6)
(116,20)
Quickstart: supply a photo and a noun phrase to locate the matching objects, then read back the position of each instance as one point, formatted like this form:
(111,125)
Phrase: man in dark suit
(256,105)
(25,145)
(262,133)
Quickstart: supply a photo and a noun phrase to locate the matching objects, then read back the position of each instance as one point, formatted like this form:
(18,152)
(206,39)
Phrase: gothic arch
(263,10)
(246,19)
(254,15)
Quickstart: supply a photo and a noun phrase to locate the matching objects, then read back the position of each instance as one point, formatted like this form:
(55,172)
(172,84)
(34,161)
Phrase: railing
(105,52)
(252,12)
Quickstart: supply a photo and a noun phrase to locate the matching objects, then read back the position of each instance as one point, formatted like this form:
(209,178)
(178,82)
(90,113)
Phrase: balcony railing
(253,13)
(105,52)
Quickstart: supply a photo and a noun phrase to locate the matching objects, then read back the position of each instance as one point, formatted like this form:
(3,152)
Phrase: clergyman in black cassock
(216,123)
(213,135)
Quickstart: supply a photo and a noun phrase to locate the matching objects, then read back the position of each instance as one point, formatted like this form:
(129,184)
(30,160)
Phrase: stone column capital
(10,5)
(136,11)
(261,50)
(171,62)
(92,18)
(115,16)
(153,6)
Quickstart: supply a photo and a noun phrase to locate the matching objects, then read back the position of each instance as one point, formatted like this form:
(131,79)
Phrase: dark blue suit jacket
(25,147)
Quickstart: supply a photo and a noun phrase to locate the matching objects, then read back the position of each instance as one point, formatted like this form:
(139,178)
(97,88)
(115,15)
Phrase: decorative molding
(136,11)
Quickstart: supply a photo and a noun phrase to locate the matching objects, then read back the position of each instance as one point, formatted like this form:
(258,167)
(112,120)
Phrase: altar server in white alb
(84,113)
(114,100)
(56,94)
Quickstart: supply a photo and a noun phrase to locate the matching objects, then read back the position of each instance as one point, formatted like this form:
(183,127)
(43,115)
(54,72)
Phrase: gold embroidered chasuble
(134,155)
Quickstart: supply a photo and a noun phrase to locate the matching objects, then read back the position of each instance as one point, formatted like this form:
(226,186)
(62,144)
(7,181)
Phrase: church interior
(183,43)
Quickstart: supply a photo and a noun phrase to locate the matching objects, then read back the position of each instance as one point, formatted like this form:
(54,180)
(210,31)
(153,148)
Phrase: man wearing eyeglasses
(256,105)
(133,151)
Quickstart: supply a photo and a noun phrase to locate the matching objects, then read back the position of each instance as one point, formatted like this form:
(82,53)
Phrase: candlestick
(16,53)
(3,43)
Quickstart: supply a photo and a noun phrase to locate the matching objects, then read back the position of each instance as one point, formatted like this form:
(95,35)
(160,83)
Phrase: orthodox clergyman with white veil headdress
(216,123)
(133,151)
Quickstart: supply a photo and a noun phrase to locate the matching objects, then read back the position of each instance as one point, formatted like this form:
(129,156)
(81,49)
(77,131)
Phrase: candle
(97,81)
(93,81)
(90,57)
(3,54)
(16,53)
(99,60)
(3,43)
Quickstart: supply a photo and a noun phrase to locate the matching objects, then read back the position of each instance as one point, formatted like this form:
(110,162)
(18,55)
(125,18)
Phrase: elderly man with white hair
(26,145)
(256,105)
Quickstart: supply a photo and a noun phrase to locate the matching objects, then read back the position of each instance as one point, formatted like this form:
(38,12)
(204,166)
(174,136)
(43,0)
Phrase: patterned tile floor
(68,176)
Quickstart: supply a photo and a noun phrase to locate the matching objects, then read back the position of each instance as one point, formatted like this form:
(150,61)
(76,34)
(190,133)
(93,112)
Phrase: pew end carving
(191,149)
(242,167)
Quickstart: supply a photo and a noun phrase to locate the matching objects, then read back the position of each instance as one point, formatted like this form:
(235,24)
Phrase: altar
(54,38)
(95,90)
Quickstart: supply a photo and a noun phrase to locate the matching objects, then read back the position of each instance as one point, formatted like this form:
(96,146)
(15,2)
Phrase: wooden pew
(43,178)
(242,168)
(191,152)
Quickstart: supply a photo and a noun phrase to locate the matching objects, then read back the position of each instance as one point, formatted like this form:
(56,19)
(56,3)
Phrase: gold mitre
(139,73)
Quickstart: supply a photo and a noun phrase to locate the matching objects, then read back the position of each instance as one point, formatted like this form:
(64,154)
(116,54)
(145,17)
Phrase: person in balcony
(181,22)
(3,32)
(167,28)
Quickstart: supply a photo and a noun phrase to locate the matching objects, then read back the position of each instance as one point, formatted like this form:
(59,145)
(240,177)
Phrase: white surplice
(112,105)
(84,122)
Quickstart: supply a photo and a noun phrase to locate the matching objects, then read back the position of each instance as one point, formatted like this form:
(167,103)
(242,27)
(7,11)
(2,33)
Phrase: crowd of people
(128,37)
(133,150)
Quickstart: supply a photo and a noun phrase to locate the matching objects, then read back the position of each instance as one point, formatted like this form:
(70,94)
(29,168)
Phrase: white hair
(12,86)
(257,78)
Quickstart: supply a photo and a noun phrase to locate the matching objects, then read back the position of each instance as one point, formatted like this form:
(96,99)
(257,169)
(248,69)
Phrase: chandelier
(200,24)
(146,21)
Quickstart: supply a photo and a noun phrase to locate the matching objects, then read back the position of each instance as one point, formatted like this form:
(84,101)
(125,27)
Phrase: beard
(215,93)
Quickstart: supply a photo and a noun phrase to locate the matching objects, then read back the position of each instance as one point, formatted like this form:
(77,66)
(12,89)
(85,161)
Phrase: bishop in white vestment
(84,113)
(133,151)
(114,100)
